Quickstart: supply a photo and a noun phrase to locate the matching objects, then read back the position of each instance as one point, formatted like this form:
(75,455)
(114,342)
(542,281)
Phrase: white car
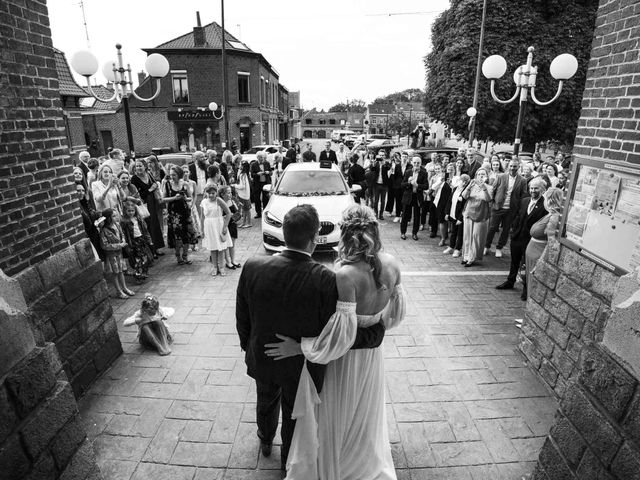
(300,183)
(252,154)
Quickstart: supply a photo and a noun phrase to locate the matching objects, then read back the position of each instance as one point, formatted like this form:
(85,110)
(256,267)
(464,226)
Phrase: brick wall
(610,117)
(573,305)
(69,304)
(42,241)
(38,211)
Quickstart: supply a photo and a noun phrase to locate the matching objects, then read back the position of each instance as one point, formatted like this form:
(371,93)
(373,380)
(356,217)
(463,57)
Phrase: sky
(331,50)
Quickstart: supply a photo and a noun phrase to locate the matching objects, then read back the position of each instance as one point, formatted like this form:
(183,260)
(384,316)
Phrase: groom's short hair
(300,226)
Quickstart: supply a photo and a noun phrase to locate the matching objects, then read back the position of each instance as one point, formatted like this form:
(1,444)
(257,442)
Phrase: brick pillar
(581,330)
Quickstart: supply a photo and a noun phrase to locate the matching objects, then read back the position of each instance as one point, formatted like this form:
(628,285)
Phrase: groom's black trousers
(270,397)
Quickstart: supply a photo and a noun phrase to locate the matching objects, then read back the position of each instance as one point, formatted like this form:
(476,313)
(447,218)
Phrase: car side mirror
(266,188)
(355,188)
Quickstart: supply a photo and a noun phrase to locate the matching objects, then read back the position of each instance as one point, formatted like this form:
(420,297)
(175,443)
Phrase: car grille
(326,228)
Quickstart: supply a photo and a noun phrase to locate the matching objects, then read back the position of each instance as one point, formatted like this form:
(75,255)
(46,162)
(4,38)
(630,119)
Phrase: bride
(341,433)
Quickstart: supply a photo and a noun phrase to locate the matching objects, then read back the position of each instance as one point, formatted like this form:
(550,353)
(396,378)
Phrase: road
(461,402)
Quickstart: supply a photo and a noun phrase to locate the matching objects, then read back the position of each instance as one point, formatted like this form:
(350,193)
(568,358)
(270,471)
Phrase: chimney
(141,77)
(199,39)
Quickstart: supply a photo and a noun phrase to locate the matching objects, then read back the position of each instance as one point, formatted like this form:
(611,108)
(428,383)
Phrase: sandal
(237,265)
(120,295)
(221,273)
(230,267)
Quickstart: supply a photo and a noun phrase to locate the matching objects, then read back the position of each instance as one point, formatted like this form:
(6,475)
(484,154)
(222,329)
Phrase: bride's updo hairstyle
(360,239)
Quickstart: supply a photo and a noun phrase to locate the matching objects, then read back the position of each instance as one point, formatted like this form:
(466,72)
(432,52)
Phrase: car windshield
(254,150)
(309,183)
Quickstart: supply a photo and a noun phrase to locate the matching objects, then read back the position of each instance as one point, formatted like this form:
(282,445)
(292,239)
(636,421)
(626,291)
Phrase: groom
(292,295)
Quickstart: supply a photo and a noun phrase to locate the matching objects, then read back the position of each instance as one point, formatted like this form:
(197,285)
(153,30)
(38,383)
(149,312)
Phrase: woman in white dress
(341,433)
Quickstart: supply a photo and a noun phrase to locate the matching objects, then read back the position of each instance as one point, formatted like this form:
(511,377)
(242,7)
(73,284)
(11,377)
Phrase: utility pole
(225,92)
(472,122)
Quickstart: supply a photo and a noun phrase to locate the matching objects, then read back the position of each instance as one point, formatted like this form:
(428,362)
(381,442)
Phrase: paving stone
(155,471)
(119,447)
(458,392)
(202,454)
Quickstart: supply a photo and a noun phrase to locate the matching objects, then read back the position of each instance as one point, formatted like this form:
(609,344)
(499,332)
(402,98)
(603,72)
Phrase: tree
(357,106)
(551,26)
(408,95)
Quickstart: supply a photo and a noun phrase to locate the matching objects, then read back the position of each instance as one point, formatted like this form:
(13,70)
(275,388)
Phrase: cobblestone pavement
(461,403)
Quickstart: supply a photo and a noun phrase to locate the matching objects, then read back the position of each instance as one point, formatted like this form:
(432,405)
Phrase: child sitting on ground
(153,332)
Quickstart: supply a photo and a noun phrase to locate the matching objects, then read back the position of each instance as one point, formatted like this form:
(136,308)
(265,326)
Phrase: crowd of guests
(133,208)
(468,200)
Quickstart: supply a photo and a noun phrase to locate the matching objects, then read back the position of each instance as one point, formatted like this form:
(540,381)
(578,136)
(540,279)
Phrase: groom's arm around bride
(292,295)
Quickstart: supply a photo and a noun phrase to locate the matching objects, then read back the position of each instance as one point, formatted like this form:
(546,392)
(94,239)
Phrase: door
(107,140)
(245,138)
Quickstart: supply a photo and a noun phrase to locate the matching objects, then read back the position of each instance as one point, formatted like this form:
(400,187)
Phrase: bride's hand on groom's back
(285,349)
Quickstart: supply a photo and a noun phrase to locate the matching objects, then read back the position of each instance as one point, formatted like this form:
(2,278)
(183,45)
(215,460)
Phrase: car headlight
(272,220)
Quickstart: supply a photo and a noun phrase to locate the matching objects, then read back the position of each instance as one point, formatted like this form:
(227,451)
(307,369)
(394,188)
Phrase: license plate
(322,239)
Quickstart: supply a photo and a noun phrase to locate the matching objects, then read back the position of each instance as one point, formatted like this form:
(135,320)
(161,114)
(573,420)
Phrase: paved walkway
(461,403)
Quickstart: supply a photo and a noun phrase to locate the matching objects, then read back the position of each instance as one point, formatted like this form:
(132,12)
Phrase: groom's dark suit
(292,295)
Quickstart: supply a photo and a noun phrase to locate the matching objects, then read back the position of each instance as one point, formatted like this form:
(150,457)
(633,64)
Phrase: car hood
(329,207)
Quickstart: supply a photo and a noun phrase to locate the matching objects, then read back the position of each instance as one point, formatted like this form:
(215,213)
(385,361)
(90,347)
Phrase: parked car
(387,145)
(252,154)
(425,152)
(175,158)
(324,188)
(338,135)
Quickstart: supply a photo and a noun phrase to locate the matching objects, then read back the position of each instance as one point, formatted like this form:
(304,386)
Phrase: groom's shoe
(265,448)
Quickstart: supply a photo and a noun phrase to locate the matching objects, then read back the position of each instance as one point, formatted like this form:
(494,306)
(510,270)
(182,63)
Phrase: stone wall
(581,330)
(41,435)
(569,304)
(68,300)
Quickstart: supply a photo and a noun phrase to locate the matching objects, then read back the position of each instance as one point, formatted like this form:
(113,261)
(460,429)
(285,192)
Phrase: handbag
(143,211)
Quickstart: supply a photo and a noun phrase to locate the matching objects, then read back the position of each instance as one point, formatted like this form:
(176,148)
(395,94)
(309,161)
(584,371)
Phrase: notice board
(602,213)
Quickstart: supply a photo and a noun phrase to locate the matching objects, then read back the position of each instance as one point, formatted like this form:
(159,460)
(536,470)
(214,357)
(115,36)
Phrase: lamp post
(562,68)
(86,64)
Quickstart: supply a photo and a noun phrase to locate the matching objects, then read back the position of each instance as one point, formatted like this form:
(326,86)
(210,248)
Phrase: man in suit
(328,154)
(509,189)
(381,170)
(309,155)
(413,185)
(396,174)
(260,176)
(356,176)
(529,212)
(292,295)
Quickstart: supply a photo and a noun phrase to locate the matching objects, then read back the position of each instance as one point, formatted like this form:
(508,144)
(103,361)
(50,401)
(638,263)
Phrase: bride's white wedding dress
(342,433)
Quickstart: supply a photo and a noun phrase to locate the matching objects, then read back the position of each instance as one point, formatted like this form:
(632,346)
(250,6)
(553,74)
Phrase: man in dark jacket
(396,174)
(290,157)
(328,154)
(260,176)
(309,155)
(292,295)
(356,176)
(380,171)
(529,212)
(414,183)
(509,189)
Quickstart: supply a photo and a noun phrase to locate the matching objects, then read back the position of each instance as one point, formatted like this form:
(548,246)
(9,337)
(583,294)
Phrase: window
(332,121)
(322,122)
(263,92)
(267,100)
(373,120)
(243,88)
(307,121)
(180,88)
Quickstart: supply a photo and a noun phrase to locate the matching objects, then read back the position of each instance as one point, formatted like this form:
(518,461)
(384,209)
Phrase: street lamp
(213,106)
(562,68)
(86,64)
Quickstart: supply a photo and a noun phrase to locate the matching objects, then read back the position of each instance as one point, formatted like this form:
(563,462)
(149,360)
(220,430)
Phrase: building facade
(179,118)
(315,124)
